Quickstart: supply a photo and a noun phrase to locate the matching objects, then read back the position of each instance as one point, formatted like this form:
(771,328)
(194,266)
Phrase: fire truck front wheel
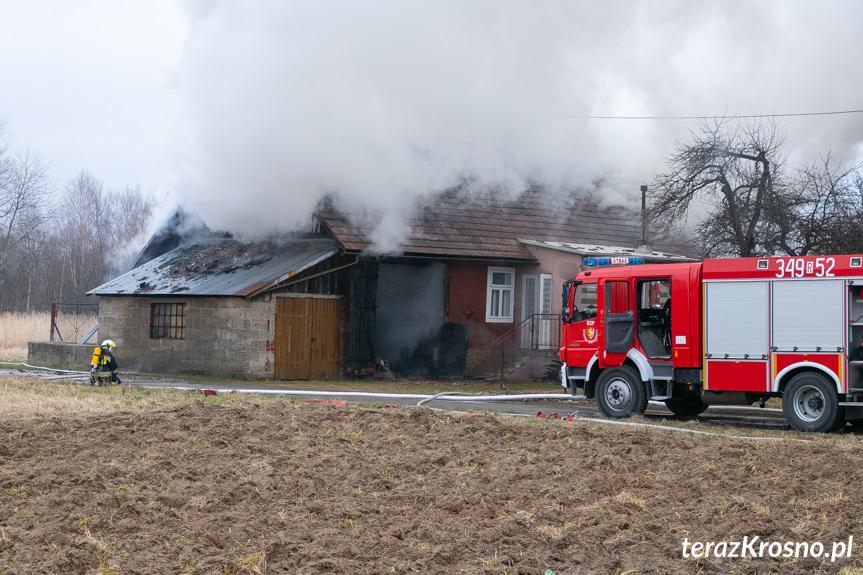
(810,403)
(620,392)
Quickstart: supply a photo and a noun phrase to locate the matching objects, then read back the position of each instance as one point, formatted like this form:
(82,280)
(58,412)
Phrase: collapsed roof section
(223,267)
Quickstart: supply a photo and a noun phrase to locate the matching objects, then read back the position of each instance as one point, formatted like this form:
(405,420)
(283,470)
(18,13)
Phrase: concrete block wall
(60,355)
(225,336)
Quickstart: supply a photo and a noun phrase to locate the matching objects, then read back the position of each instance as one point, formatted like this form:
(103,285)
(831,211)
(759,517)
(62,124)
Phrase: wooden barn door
(307,338)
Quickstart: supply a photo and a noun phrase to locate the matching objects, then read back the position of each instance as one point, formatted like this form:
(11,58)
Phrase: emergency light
(615,261)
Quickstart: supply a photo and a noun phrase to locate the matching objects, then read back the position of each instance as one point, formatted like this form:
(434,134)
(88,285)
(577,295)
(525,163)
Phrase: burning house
(474,270)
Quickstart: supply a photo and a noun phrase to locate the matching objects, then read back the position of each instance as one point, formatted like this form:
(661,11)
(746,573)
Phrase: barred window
(168,321)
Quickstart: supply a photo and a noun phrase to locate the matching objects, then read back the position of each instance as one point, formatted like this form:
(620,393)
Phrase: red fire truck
(722,331)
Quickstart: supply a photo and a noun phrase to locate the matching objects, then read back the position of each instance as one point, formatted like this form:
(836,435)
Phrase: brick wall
(224,336)
(468,286)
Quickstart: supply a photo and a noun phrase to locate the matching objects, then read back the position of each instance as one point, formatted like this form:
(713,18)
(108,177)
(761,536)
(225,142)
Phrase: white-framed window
(499,296)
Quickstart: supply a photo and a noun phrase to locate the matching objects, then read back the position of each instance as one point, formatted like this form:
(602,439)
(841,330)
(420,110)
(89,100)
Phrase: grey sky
(247,111)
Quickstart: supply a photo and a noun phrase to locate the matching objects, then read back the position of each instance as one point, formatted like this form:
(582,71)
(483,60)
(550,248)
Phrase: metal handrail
(527,338)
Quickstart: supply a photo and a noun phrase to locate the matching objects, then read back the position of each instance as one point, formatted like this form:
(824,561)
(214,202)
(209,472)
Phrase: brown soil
(299,487)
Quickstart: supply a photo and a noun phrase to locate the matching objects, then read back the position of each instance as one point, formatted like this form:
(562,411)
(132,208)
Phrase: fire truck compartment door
(808,314)
(736,319)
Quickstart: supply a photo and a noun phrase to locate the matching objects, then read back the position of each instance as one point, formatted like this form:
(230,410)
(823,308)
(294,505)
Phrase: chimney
(644,245)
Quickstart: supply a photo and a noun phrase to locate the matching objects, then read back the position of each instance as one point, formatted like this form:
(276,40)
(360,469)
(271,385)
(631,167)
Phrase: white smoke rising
(377,102)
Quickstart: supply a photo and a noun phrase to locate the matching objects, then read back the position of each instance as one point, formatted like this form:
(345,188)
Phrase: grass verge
(28,398)
(32,398)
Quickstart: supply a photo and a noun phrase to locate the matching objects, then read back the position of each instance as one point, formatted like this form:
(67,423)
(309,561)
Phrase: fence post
(53,324)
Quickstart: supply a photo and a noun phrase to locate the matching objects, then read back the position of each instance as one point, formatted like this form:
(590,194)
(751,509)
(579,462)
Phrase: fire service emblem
(590,332)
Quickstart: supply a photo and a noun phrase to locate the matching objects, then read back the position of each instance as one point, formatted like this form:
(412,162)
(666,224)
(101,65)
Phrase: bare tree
(23,214)
(57,251)
(132,210)
(825,210)
(732,173)
(97,233)
(85,228)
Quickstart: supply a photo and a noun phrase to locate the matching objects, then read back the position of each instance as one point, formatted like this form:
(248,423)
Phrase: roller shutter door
(737,319)
(808,314)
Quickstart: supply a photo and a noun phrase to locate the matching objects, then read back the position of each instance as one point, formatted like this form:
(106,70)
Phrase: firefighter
(107,362)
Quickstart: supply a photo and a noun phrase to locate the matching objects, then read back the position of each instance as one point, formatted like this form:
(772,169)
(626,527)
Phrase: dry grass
(29,398)
(24,398)
(16,329)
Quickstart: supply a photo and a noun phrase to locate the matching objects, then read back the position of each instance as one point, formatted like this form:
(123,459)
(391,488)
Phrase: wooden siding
(307,337)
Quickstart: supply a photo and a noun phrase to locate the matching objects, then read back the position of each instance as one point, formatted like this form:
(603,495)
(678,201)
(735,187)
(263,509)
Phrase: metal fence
(74,322)
(526,357)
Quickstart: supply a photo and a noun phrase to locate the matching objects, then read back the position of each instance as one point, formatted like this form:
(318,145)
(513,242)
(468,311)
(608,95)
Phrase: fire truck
(720,331)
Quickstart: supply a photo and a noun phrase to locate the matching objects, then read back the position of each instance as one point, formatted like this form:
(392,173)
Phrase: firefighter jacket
(108,363)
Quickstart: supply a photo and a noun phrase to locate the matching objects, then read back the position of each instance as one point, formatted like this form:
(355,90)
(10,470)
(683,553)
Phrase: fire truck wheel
(620,393)
(689,406)
(810,403)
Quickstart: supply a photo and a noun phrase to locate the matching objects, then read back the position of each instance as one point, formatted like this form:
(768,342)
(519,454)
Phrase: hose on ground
(41,367)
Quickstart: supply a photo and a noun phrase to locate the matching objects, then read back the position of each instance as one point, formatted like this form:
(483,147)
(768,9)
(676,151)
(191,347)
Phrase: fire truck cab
(724,331)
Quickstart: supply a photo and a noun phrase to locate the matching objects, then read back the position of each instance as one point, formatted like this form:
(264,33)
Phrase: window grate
(168,321)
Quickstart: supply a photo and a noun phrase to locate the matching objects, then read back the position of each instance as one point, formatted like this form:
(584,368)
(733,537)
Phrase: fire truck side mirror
(567,313)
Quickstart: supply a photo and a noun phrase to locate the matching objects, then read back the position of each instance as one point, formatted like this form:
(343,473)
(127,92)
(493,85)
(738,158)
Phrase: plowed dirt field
(299,487)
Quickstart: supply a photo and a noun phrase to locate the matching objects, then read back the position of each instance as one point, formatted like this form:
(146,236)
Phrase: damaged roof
(486,225)
(220,268)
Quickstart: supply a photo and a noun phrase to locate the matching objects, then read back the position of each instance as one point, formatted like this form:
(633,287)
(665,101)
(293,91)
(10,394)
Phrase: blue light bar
(615,261)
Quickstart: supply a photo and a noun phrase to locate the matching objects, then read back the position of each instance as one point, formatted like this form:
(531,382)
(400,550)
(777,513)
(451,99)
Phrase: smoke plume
(379,102)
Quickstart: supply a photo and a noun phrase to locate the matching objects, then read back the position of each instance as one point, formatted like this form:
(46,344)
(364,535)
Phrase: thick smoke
(377,102)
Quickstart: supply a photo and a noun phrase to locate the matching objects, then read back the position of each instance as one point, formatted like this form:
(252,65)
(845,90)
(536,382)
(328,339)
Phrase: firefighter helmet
(109,343)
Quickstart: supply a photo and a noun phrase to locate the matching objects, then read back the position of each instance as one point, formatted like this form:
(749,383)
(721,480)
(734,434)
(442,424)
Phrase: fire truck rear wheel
(810,403)
(620,392)
(689,406)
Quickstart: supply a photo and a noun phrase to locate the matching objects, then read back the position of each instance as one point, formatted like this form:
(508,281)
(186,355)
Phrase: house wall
(466,299)
(224,337)
(561,265)
(467,292)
